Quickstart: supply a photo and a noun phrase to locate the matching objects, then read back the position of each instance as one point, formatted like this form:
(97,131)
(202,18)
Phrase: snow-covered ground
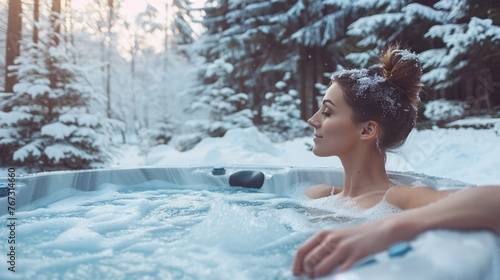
(465,154)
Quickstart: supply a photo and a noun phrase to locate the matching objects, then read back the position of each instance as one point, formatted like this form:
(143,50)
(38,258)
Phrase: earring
(377,145)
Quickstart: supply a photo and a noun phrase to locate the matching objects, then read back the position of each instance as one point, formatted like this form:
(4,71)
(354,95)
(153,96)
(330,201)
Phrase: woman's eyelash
(326,114)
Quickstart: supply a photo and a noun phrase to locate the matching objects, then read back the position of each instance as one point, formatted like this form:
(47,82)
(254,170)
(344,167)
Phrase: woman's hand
(341,248)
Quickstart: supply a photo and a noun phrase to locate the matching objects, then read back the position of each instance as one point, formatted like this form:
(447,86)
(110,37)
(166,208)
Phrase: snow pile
(238,146)
(447,153)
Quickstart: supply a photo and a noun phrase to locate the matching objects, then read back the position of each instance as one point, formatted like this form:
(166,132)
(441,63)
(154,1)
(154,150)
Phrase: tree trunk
(306,81)
(14,28)
(108,65)
(68,23)
(310,71)
(167,28)
(55,20)
(135,117)
(36,18)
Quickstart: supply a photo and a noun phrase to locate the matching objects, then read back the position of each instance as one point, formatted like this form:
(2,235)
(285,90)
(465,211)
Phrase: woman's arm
(473,208)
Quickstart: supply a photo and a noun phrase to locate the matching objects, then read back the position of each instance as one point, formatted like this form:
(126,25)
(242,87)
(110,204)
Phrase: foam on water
(158,230)
(348,209)
(161,230)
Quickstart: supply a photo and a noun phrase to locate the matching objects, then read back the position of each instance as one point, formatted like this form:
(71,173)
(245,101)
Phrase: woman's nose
(313,122)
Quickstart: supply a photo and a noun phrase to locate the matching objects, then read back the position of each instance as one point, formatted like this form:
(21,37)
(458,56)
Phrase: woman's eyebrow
(328,101)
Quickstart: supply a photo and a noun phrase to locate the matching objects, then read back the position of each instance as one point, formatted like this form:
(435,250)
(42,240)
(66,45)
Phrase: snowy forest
(78,79)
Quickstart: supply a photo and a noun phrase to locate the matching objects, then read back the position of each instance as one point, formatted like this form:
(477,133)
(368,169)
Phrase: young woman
(364,113)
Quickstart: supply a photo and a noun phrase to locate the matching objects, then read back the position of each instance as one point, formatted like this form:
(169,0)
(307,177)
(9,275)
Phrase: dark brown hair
(388,96)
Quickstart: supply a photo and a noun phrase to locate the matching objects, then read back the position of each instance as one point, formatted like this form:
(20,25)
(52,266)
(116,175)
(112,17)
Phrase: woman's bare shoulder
(408,196)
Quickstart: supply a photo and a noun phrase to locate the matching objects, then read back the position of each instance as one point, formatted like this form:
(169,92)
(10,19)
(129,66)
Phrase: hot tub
(186,223)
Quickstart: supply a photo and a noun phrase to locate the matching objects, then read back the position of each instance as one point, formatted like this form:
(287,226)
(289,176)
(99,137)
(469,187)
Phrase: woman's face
(335,133)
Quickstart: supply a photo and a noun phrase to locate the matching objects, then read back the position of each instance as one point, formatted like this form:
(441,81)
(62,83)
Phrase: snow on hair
(387,97)
(402,68)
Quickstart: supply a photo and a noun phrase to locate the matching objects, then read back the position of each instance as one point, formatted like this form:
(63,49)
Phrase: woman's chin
(319,153)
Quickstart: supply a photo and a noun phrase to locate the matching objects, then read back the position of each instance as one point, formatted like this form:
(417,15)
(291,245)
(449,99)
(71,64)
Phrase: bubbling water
(162,230)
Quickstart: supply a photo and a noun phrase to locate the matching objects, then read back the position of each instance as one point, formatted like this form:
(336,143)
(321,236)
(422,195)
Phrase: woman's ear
(369,131)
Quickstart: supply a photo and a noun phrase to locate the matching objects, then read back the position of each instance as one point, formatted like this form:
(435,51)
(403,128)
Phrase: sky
(131,8)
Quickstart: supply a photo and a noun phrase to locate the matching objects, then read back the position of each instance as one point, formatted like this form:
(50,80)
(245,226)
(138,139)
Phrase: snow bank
(463,154)
(238,146)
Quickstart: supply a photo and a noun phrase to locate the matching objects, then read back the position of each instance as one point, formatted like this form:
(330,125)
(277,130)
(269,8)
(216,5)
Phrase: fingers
(349,263)
(318,254)
(304,250)
(324,253)
(327,264)
(342,259)
(323,259)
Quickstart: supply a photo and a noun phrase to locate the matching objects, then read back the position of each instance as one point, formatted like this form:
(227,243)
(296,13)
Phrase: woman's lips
(317,137)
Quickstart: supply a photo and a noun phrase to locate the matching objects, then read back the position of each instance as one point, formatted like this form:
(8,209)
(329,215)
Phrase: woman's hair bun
(402,68)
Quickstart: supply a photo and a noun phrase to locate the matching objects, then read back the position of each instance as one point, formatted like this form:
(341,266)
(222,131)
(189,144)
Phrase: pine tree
(45,124)
(182,22)
(160,133)
(265,39)
(315,36)
(457,41)
(470,36)
(310,39)
(281,114)
(243,33)
(370,27)
(226,108)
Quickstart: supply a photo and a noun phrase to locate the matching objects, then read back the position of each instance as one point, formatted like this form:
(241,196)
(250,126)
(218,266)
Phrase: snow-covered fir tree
(281,114)
(46,123)
(182,22)
(226,107)
(265,39)
(316,23)
(247,35)
(160,133)
(470,36)
(370,27)
(458,39)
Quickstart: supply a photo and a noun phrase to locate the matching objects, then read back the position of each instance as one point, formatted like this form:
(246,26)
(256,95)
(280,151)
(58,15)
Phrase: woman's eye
(326,114)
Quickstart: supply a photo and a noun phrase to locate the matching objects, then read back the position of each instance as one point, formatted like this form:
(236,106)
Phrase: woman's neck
(364,172)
